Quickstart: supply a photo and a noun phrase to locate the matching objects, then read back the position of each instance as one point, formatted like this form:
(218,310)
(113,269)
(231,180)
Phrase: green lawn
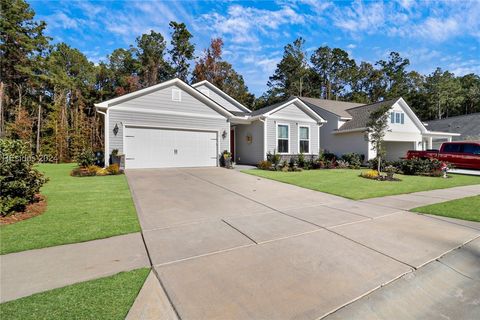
(104,298)
(465,209)
(78,209)
(348,184)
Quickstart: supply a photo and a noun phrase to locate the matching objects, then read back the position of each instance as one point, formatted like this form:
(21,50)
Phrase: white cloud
(360,17)
(63,21)
(244,24)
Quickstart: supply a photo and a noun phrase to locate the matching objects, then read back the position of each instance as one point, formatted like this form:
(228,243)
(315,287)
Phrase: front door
(232,143)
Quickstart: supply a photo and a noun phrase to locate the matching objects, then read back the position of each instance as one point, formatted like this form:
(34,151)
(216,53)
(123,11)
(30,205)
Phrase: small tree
(376,129)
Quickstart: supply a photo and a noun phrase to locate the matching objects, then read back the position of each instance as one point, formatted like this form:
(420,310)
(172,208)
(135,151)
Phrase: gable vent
(176,95)
(205,92)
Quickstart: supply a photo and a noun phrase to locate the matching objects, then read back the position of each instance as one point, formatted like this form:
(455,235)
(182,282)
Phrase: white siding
(219,99)
(162,100)
(156,109)
(293,135)
(408,125)
(355,141)
(249,153)
(328,141)
(349,142)
(292,112)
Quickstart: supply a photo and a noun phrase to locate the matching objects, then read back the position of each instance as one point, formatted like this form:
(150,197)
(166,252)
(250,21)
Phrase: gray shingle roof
(240,113)
(467,125)
(360,115)
(336,107)
(270,108)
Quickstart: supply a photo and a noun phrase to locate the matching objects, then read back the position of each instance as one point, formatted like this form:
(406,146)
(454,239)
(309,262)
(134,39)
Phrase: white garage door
(397,149)
(165,148)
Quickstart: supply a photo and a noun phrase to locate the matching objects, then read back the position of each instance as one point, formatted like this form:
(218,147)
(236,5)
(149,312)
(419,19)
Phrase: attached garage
(397,149)
(168,148)
(168,125)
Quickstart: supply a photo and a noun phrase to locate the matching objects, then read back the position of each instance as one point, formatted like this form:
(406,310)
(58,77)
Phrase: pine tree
(182,50)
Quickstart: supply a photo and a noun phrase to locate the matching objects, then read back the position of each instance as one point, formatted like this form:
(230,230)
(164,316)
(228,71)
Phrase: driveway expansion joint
(324,228)
(238,230)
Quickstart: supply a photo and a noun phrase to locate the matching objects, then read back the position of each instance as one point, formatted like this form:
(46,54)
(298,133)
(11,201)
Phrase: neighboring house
(173,124)
(467,125)
(346,128)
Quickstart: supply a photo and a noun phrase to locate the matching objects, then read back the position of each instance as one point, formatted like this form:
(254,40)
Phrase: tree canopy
(48,91)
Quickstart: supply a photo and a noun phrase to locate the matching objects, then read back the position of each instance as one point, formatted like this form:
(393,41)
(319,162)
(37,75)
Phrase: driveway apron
(230,245)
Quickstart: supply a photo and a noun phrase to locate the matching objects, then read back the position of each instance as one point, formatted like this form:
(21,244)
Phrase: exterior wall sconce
(224,134)
(115,129)
(249,138)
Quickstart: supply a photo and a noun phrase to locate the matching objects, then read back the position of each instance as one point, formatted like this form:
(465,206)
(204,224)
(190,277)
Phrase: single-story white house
(173,124)
(346,128)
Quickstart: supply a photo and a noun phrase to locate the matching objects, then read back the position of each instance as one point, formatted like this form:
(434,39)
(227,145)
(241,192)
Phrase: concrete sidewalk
(447,288)
(28,272)
(423,198)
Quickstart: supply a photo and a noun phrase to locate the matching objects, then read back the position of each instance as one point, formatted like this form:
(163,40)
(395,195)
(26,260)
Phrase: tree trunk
(2,87)
(38,124)
(379,158)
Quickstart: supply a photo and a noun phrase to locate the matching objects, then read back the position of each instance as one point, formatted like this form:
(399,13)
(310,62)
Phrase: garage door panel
(396,149)
(164,148)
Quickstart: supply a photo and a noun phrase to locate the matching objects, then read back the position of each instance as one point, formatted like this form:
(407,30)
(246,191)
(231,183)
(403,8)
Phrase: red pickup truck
(462,154)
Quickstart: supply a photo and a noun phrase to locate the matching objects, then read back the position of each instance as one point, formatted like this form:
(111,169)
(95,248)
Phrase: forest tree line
(48,90)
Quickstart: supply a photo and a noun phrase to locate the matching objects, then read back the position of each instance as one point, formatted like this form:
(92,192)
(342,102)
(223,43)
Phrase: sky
(430,34)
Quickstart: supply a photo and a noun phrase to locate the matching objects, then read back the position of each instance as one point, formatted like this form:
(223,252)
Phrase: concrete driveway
(227,245)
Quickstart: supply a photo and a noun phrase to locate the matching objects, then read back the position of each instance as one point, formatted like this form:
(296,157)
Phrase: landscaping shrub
(274,158)
(354,159)
(370,174)
(92,170)
(19,180)
(342,164)
(328,160)
(416,166)
(301,160)
(264,165)
(86,158)
(390,171)
(113,169)
(292,163)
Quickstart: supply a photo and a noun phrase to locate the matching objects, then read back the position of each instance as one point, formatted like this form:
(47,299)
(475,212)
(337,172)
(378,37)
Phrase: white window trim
(309,138)
(393,117)
(176,91)
(289,138)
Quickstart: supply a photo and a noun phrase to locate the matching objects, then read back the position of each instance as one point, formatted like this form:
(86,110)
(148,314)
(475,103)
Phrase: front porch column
(430,143)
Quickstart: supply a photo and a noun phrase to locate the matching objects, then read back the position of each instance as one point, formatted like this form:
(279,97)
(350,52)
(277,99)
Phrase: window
(304,139)
(282,138)
(176,95)
(397,117)
(452,147)
(471,148)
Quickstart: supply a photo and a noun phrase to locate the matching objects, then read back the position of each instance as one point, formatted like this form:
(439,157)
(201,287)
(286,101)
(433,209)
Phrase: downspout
(320,124)
(105,129)
(264,121)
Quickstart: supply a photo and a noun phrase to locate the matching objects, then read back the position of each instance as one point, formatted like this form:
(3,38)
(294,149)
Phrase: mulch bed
(32,210)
